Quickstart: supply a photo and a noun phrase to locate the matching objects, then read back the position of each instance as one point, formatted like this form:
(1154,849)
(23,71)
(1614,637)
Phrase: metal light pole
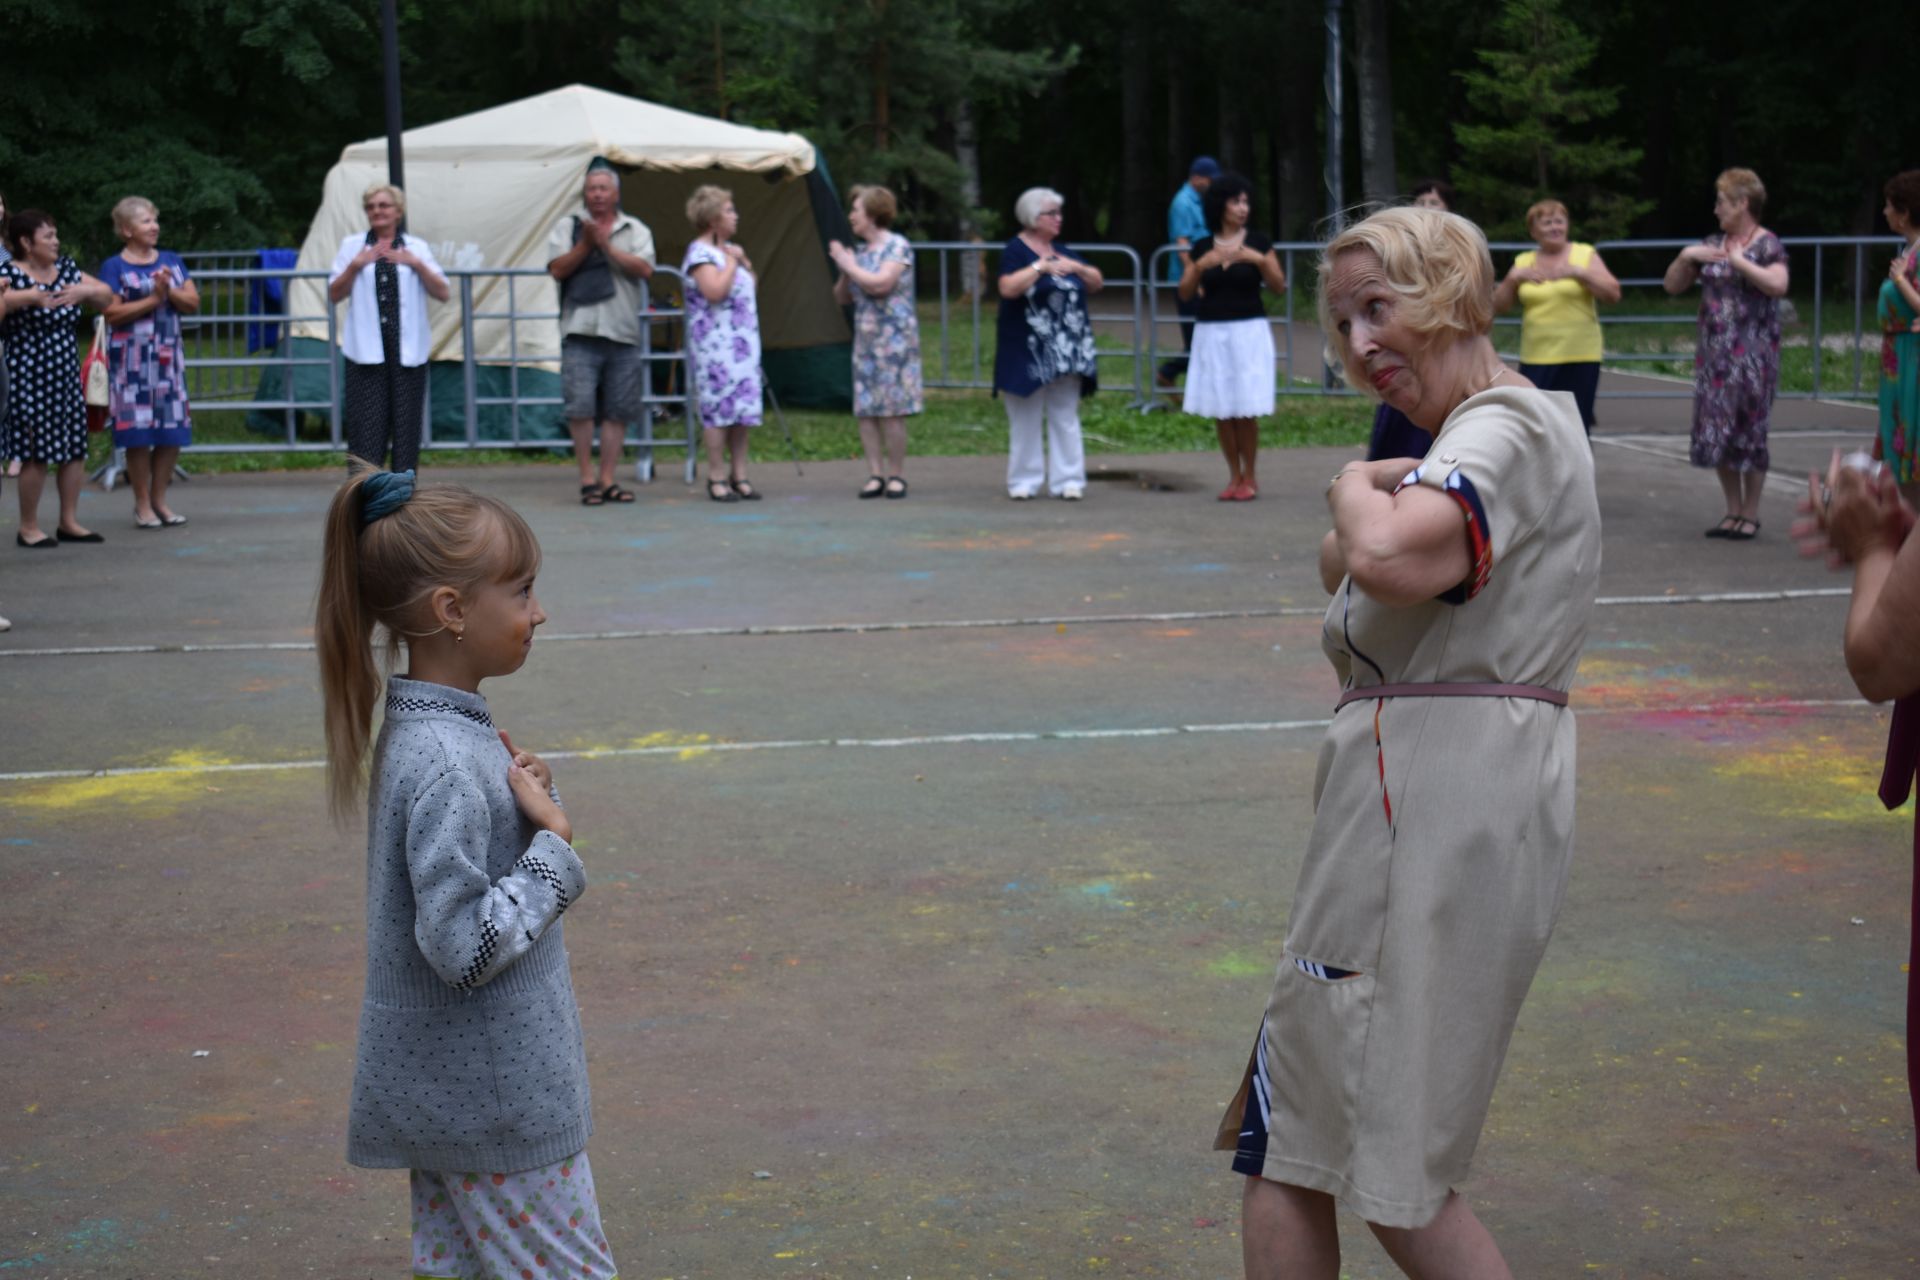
(390,40)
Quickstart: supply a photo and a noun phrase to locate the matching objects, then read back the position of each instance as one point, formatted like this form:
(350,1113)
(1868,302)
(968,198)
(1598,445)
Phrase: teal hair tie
(384,493)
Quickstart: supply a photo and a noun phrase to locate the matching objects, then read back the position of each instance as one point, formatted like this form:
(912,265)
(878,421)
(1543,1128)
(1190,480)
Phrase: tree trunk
(1177,156)
(719,70)
(1138,181)
(1379,177)
(882,104)
(966,154)
(1300,197)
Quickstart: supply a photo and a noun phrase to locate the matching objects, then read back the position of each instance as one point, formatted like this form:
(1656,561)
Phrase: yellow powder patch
(1820,778)
(164,790)
(690,744)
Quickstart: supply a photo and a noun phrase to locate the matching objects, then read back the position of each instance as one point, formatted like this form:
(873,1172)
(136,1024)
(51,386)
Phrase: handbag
(93,377)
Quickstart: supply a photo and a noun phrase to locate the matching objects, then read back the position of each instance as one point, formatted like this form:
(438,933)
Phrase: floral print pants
(533,1225)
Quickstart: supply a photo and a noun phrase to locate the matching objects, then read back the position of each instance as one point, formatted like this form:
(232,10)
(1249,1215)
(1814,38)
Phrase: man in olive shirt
(601,256)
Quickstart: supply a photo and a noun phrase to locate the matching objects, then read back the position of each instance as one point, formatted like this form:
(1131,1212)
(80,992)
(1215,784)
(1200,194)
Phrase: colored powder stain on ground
(1240,964)
(682,746)
(1816,778)
(162,791)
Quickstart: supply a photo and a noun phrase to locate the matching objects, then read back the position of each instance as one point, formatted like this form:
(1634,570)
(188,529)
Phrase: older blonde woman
(876,279)
(384,337)
(1044,359)
(146,373)
(1462,591)
(723,341)
(1557,284)
(1742,273)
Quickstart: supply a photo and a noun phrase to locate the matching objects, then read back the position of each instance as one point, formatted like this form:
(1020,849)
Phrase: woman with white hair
(384,337)
(146,374)
(1443,811)
(1044,360)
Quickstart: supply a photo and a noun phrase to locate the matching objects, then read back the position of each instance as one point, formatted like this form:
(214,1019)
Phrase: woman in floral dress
(723,340)
(876,279)
(147,377)
(1044,360)
(1736,363)
(1899,313)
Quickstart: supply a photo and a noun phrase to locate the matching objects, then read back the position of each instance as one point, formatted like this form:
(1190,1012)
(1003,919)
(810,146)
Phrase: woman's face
(1237,210)
(1901,224)
(44,248)
(857,219)
(1430,200)
(1046,223)
(1550,230)
(1729,210)
(728,222)
(143,230)
(383,213)
(1380,349)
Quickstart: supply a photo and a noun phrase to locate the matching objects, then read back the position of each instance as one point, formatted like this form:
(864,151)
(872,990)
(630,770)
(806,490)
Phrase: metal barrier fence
(235,366)
(1135,316)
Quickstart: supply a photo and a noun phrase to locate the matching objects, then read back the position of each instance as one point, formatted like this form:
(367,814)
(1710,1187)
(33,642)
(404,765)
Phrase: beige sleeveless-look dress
(1442,835)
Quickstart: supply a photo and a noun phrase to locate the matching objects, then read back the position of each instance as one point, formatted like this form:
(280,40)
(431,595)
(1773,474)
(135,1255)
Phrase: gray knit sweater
(470,1054)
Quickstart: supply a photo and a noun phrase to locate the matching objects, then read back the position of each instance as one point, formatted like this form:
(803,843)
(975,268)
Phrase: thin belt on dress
(1538,693)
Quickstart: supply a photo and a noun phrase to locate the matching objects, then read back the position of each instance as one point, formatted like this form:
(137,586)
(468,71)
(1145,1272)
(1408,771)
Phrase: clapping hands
(1849,511)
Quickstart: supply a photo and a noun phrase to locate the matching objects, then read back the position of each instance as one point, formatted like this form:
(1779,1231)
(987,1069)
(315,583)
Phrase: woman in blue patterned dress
(146,374)
(876,279)
(46,416)
(1044,361)
(723,341)
(1736,363)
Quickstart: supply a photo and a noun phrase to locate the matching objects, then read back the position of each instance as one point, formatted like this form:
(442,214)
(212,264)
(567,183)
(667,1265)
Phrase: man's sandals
(592,495)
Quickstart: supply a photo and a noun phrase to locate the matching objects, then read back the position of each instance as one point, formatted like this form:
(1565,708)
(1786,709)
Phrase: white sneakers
(1072,493)
(1022,494)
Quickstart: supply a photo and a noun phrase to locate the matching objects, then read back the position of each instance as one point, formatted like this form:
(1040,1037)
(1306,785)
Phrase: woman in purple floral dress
(1736,364)
(723,341)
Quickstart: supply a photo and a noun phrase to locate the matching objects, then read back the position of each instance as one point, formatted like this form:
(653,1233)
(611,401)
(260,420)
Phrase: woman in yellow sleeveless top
(1557,285)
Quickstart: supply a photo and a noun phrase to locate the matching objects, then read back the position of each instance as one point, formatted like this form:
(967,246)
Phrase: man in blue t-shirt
(1186,222)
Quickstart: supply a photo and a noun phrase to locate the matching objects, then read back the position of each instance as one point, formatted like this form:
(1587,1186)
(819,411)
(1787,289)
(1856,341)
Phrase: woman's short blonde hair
(877,203)
(1745,184)
(127,209)
(1438,264)
(1033,201)
(1542,208)
(387,189)
(704,207)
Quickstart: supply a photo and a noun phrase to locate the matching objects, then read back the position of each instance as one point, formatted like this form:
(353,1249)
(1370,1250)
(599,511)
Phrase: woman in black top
(1230,377)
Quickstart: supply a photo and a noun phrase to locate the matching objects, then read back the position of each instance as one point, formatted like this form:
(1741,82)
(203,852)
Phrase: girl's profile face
(501,617)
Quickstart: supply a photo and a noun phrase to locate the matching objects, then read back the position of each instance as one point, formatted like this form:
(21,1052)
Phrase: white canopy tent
(486,189)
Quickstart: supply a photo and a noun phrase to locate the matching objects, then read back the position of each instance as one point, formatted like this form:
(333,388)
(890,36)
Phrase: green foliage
(1535,135)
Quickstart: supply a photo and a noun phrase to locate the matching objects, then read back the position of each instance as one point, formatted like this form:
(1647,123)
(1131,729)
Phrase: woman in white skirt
(1230,376)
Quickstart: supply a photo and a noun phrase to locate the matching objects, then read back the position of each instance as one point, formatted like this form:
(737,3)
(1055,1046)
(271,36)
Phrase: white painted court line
(930,624)
(926,740)
(1775,480)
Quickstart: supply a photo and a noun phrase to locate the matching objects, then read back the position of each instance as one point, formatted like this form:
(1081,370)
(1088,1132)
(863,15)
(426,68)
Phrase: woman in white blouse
(384,335)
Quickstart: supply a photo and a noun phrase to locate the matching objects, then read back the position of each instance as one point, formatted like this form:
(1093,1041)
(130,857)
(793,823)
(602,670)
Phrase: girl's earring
(458,636)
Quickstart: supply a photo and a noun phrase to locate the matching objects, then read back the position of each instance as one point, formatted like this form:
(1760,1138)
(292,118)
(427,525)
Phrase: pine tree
(1537,135)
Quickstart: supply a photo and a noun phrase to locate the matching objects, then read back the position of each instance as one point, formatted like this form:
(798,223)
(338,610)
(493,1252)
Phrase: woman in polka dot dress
(471,1071)
(46,423)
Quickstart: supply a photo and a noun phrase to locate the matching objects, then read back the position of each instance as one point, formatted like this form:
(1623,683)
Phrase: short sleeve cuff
(1453,482)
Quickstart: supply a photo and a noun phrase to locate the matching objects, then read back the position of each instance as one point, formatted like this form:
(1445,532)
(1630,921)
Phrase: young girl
(470,1072)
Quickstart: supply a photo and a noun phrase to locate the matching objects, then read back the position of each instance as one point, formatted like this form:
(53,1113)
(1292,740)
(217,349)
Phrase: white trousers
(1058,404)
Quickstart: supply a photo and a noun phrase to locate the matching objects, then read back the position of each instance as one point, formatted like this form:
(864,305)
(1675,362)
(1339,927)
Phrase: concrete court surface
(958,932)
